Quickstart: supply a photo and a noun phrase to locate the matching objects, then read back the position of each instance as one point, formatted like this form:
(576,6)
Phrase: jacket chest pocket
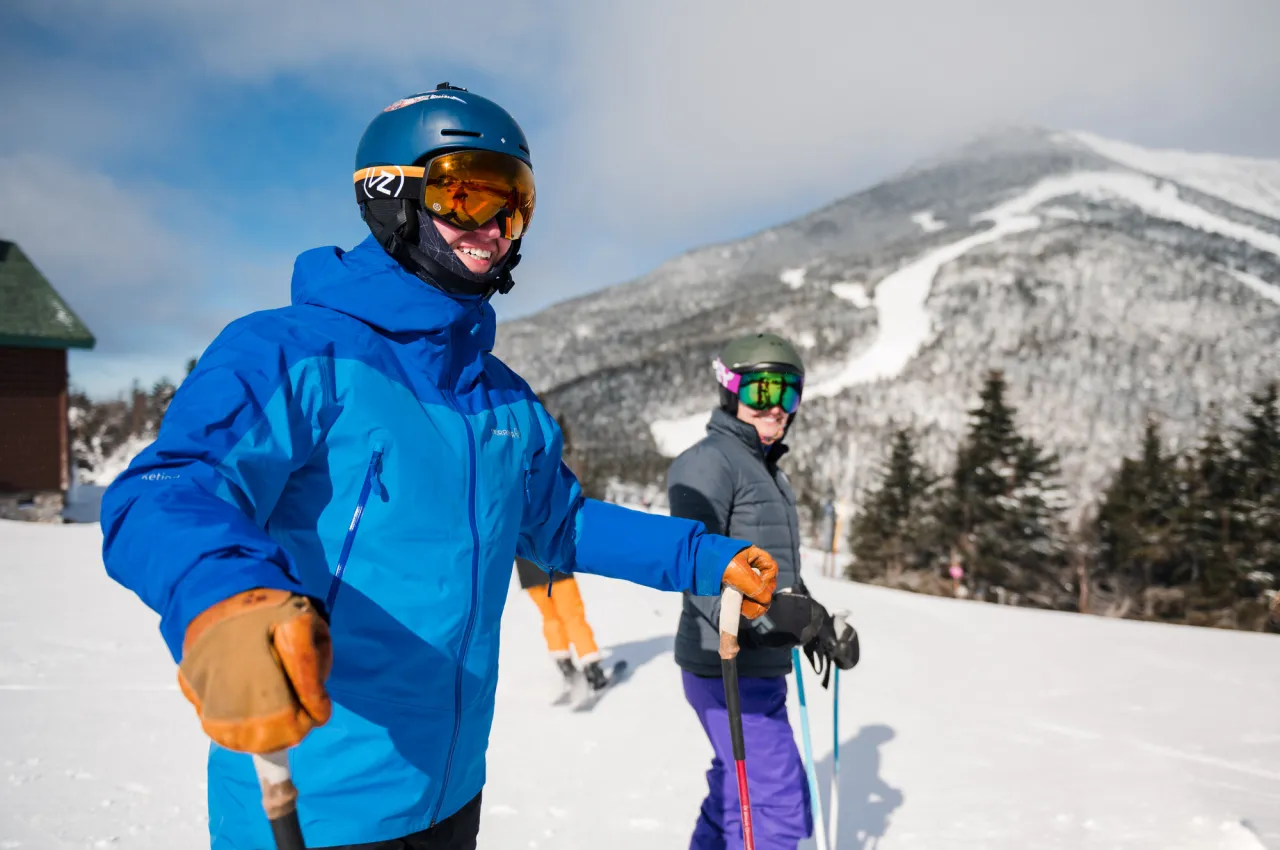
(372,483)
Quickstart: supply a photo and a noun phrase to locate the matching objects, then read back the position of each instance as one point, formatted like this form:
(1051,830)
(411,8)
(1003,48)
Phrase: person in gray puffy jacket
(730,481)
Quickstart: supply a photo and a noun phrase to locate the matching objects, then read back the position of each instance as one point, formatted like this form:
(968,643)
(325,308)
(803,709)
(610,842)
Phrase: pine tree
(1003,506)
(890,533)
(1207,524)
(1138,515)
(1258,483)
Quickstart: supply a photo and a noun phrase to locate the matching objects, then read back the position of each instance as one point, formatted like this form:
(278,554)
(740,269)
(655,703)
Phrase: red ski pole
(280,799)
(730,612)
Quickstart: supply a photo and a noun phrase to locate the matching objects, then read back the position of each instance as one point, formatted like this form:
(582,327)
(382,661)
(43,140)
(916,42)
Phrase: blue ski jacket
(363,446)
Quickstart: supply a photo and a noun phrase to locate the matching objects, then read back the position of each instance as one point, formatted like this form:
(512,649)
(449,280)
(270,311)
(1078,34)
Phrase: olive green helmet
(758,352)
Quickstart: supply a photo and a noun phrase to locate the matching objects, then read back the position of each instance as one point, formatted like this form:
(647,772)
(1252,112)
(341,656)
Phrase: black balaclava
(405,231)
(431,243)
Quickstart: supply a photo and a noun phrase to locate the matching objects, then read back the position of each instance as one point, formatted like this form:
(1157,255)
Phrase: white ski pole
(279,799)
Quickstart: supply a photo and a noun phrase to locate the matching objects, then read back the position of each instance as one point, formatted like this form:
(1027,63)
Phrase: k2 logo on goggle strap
(386,182)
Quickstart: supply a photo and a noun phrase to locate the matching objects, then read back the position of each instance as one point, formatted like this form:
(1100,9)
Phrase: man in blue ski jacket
(327,520)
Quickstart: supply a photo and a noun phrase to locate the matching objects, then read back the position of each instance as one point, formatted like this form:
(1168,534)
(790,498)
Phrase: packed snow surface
(965,725)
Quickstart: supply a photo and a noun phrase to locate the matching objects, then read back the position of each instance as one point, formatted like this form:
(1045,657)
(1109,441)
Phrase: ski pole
(279,799)
(730,612)
(835,758)
(840,618)
(819,827)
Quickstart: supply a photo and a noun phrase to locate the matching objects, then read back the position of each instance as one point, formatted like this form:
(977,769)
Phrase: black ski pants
(456,832)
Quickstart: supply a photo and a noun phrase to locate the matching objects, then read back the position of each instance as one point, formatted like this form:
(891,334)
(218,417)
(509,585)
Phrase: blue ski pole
(835,757)
(819,827)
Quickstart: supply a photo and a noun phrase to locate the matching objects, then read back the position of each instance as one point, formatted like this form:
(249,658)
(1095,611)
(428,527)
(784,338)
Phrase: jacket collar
(731,426)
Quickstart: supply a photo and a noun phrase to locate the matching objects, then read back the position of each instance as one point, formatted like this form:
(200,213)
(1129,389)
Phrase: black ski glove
(836,643)
(793,619)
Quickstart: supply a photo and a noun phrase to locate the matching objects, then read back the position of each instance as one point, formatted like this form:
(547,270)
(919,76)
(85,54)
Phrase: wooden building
(36,329)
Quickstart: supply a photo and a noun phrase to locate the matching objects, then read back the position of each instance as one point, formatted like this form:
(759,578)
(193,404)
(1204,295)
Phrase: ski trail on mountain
(903,321)
(1267,290)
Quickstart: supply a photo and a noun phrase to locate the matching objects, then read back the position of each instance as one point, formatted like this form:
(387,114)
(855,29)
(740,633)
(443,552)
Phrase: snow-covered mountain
(1108,281)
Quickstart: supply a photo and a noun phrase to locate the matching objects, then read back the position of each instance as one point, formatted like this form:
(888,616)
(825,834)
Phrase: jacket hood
(368,284)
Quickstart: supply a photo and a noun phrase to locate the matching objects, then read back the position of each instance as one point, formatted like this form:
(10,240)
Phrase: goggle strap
(727,378)
(389,183)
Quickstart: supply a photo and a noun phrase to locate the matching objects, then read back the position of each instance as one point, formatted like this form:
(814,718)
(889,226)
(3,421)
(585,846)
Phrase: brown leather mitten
(753,572)
(254,666)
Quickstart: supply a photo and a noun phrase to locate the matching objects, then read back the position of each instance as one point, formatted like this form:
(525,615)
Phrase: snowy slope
(1249,183)
(966,725)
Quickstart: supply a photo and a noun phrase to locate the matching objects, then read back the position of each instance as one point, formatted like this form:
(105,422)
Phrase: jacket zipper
(471,616)
(375,463)
(791,531)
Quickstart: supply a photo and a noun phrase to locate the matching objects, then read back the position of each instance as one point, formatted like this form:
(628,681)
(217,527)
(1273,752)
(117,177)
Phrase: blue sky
(164,161)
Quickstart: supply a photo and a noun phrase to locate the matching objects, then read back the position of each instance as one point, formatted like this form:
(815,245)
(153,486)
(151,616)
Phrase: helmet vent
(471,133)
(524,148)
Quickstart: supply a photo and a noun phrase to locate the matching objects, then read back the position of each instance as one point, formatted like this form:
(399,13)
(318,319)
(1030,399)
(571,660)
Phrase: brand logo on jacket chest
(514,433)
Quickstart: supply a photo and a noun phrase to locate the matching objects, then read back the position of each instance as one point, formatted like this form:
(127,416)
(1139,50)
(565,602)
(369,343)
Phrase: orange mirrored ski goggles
(468,189)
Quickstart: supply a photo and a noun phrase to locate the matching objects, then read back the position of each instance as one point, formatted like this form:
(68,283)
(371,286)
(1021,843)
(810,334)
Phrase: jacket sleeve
(183,525)
(564,530)
(700,488)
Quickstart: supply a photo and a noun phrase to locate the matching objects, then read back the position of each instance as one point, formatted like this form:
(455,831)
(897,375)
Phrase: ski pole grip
(730,614)
(279,799)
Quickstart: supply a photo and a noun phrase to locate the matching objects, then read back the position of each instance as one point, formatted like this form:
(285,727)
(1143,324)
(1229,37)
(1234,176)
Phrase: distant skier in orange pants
(564,621)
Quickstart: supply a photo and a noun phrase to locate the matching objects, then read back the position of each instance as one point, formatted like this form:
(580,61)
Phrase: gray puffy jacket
(726,482)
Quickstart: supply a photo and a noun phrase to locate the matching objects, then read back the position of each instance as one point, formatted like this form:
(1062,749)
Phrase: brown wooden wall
(33,419)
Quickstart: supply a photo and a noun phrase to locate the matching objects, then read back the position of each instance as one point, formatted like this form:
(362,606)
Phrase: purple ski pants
(776,780)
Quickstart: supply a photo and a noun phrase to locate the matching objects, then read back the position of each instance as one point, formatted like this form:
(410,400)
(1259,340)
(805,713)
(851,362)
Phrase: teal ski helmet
(405,136)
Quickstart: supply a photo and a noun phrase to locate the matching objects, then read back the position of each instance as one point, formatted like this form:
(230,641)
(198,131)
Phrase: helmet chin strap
(394,223)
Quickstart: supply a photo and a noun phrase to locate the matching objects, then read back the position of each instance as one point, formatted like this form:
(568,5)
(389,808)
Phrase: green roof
(32,313)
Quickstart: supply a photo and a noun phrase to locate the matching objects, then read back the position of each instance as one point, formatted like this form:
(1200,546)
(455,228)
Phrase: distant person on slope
(730,482)
(327,520)
(564,622)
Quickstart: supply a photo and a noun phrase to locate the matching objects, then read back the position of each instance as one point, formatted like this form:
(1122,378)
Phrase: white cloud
(141,267)
(656,126)
(691,109)
(250,40)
